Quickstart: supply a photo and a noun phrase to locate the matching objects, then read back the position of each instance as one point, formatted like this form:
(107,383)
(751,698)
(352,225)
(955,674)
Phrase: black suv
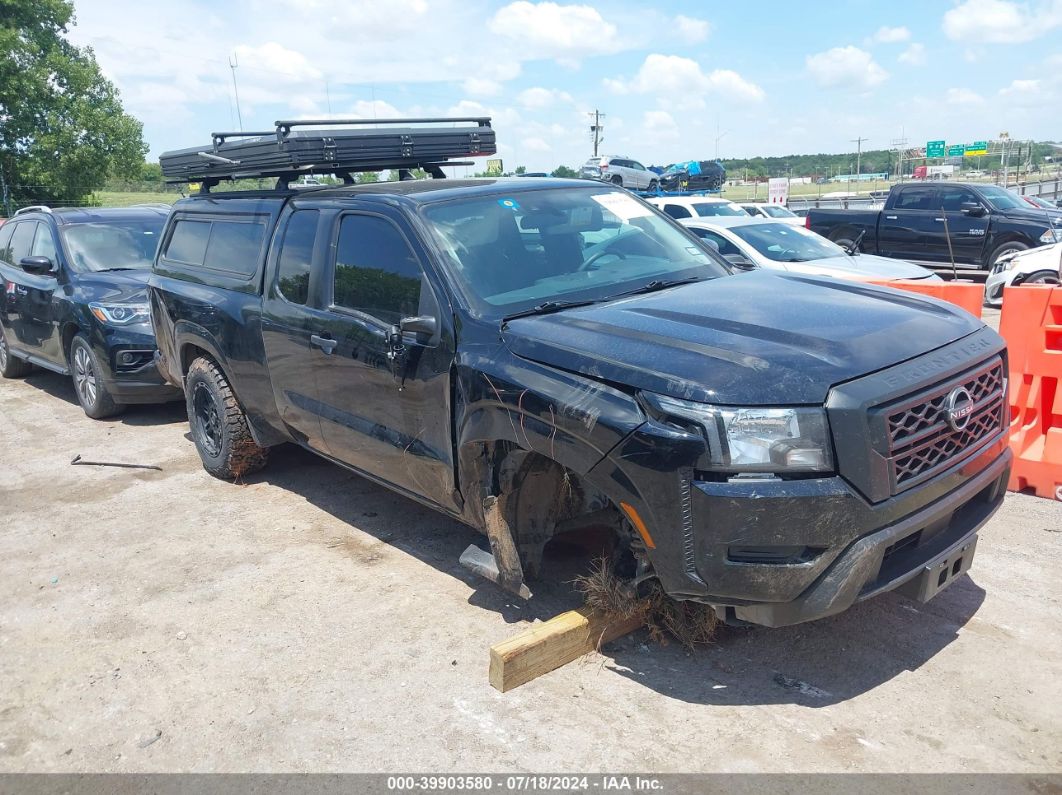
(75,302)
(535,357)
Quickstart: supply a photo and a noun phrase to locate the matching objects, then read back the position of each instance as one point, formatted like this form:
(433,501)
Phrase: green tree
(63,130)
(565,172)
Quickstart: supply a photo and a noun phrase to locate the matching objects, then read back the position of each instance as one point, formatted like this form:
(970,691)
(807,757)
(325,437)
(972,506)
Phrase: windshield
(777,211)
(1036,200)
(112,245)
(785,243)
(1002,199)
(528,247)
(705,209)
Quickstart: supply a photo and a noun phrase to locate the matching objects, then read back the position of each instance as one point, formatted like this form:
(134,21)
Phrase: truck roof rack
(287,153)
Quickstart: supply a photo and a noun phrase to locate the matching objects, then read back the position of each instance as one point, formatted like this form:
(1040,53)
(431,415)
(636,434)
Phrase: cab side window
(952,199)
(296,256)
(376,272)
(915,199)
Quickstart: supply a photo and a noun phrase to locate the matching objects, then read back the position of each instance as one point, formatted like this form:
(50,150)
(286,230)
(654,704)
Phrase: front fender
(568,418)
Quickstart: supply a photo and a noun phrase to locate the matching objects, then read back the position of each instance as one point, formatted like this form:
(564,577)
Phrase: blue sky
(677,80)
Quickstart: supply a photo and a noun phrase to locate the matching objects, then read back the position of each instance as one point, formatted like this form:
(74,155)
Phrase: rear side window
(296,254)
(217,245)
(677,211)
(189,241)
(5,241)
(376,272)
(915,199)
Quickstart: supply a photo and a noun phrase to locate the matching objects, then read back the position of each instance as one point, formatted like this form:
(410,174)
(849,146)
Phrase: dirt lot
(309,620)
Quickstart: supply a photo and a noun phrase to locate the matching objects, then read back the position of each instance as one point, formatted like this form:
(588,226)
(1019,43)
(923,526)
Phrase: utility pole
(596,129)
(859,154)
(1004,137)
(899,143)
(233,63)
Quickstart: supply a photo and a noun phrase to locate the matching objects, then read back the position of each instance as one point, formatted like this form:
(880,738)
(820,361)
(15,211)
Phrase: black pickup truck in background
(983,222)
(541,357)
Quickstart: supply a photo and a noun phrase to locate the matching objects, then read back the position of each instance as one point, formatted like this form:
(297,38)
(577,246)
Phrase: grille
(921,441)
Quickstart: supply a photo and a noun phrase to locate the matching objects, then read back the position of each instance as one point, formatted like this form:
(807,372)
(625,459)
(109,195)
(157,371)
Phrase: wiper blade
(660,284)
(545,308)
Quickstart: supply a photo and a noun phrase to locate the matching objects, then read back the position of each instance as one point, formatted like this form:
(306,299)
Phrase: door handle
(326,344)
(939,219)
(890,217)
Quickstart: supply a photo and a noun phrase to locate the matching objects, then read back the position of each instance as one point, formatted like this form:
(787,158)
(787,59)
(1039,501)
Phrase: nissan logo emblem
(958,408)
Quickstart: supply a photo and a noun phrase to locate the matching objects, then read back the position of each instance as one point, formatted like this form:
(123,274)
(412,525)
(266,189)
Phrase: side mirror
(422,325)
(37,265)
(740,261)
(973,209)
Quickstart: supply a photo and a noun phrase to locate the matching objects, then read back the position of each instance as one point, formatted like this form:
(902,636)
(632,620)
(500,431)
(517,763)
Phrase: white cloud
(691,30)
(888,35)
(1027,94)
(542,98)
(283,64)
(660,125)
(845,67)
(913,55)
(481,87)
(549,29)
(535,144)
(963,96)
(1000,21)
(672,75)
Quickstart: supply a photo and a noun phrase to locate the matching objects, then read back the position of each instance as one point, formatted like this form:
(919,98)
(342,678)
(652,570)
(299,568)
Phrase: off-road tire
(1004,248)
(86,372)
(219,425)
(10,365)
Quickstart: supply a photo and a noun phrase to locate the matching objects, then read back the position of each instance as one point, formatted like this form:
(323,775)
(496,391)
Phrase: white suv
(679,207)
(620,171)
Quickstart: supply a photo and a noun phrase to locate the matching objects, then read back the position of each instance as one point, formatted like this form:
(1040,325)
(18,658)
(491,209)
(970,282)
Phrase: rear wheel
(1004,248)
(844,241)
(219,424)
(87,373)
(10,365)
(617,180)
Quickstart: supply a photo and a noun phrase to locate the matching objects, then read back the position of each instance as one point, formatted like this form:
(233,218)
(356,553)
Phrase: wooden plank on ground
(547,646)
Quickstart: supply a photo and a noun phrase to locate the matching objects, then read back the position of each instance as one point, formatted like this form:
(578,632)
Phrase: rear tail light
(807,221)
(604,165)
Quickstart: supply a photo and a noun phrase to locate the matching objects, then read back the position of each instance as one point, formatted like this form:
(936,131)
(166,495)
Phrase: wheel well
(189,353)
(70,330)
(544,501)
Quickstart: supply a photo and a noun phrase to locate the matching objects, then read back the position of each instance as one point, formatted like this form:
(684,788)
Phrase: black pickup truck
(982,223)
(541,357)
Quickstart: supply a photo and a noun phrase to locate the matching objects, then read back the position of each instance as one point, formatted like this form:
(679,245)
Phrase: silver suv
(620,171)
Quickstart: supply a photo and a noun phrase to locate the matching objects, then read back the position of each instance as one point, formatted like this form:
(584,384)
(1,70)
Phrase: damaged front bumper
(778,552)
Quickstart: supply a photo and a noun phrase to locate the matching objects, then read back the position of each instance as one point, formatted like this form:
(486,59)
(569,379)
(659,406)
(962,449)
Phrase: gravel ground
(308,620)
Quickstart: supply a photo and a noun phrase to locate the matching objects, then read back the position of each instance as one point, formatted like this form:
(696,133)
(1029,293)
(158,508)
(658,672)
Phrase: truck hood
(1034,216)
(757,338)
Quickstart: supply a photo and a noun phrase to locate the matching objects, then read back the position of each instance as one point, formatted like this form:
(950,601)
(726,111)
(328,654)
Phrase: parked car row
(534,357)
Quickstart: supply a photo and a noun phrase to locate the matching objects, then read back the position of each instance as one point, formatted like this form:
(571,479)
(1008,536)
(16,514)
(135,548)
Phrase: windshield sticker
(622,206)
(509,204)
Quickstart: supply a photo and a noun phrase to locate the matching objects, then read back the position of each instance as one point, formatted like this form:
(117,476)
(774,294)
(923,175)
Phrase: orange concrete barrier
(967,295)
(1031,323)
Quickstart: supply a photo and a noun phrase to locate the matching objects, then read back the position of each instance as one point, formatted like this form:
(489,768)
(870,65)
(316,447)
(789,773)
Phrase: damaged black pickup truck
(536,357)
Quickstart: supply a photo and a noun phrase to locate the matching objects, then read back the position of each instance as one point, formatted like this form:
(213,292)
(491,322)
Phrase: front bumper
(775,551)
(137,380)
(997,280)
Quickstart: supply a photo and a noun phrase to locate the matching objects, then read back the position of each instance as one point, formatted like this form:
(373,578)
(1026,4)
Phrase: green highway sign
(976,148)
(956,150)
(935,149)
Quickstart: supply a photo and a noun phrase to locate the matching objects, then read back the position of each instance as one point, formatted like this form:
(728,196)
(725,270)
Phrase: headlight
(752,439)
(121,314)
(1051,236)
